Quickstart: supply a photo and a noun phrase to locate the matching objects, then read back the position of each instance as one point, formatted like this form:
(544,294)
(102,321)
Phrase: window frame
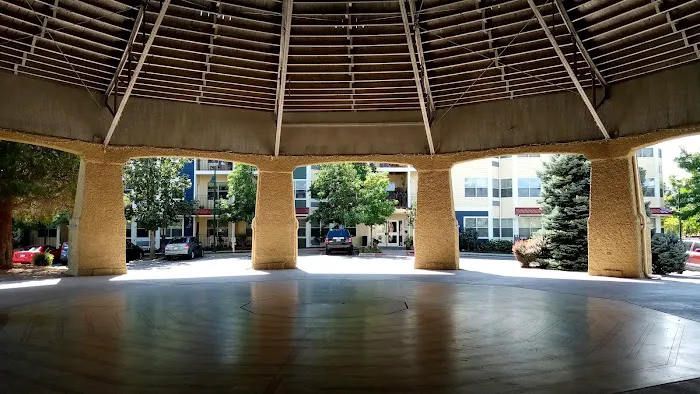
(480,187)
(476,225)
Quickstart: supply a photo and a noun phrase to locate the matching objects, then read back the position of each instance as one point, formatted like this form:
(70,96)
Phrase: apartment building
(499,196)
(496,196)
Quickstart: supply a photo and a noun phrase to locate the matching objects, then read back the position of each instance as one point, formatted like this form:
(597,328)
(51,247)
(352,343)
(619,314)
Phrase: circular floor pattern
(338,335)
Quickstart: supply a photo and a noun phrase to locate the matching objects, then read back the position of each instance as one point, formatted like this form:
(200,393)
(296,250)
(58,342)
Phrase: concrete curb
(499,256)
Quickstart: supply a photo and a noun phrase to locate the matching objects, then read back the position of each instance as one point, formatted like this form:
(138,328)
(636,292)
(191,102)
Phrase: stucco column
(436,239)
(97,236)
(275,224)
(618,239)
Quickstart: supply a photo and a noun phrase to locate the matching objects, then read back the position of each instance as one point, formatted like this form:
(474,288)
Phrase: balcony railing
(392,165)
(211,165)
(207,201)
(401,197)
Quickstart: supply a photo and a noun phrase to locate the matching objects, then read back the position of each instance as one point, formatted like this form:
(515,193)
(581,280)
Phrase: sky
(671,149)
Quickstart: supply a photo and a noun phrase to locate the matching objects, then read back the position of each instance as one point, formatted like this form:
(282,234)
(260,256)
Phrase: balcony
(392,165)
(207,201)
(401,197)
(214,165)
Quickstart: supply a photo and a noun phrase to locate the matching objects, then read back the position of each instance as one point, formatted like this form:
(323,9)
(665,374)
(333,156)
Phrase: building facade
(498,196)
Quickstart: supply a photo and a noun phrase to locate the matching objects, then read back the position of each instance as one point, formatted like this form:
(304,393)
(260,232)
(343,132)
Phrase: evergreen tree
(36,184)
(157,193)
(564,200)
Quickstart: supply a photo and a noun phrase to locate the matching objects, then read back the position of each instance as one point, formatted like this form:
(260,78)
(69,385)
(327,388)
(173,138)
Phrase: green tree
(564,200)
(375,205)
(242,188)
(157,193)
(337,187)
(684,193)
(36,184)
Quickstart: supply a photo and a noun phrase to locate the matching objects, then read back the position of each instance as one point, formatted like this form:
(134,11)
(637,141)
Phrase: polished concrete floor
(335,325)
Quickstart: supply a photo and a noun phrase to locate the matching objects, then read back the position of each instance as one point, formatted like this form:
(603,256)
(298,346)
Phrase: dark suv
(339,239)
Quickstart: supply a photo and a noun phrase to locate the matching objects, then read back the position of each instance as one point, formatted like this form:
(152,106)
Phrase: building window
(528,226)
(128,228)
(503,228)
(476,187)
(218,191)
(495,163)
(662,188)
(141,232)
(173,231)
(496,203)
(506,187)
(530,155)
(649,187)
(505,157)
(300,189)
(645,152)
(529,187)
(496,190)
(660,153)
(480,224)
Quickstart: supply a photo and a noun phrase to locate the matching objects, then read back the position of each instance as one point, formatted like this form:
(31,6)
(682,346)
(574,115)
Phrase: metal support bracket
(569,70)
(114,82)
(282,69)
(137,70)
(417,76)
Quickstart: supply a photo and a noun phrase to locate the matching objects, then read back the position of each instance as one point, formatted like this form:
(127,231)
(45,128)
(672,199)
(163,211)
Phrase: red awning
(662,211)
(528,211)
(203,211)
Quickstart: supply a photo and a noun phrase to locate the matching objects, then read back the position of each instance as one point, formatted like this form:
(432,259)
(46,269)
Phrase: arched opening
(37,194)
(204,201)
(387,230)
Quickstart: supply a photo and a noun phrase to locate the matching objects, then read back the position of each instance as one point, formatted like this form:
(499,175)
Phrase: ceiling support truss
(421,58)
(132,81)
(578,43)
(569,70)
(351,58)
(486,27)
(126,57)
(44,23)
(282,69)
(673,23)
(207,62)
(417,75)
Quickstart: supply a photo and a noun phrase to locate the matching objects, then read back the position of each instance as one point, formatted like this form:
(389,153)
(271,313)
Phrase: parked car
(183,247)
(64,253)
(133,251)
(339,239)
(692,248)
(26,255)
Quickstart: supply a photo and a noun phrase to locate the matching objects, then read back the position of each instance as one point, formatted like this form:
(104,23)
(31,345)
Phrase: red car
(26,255)
(692,248)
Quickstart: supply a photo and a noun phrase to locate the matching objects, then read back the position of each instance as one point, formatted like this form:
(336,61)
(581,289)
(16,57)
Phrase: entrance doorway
(393,233)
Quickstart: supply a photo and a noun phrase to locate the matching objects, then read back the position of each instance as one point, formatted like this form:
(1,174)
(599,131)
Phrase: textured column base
(97,235)
(275,224)
(436,238)
(618,244)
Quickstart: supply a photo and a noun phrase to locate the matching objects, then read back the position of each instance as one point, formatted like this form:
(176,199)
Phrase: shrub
(498,246)
(528,251)
(43,259)
(469,240)
(408,243)
(667,254)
